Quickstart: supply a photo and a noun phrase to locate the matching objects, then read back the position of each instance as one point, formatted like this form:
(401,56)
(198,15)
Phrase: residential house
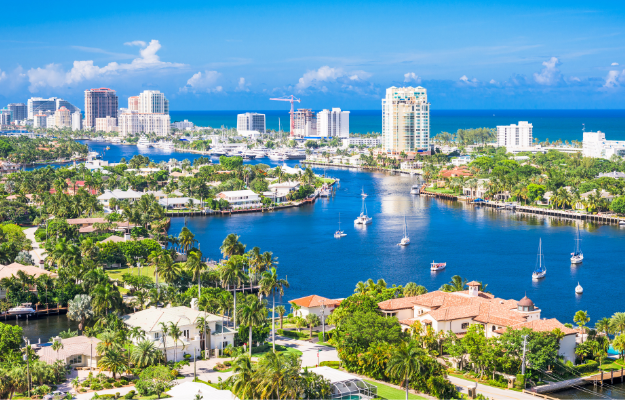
(8,167)
(29,198)
(240,199)
(584,197)
(462,160)
(77,351)
(479,191)
(179,202)
(456,311)
(278,191)
(119,194)
(411,165)
(7,271)
(314,304)
(186,318)
(613,174)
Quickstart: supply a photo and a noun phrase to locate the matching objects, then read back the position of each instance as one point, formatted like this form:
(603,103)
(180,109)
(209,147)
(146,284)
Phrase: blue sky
(236,55)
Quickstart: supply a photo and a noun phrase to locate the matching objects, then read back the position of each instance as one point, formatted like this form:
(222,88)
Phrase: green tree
(10,342)
(581,318)
(406,361)
(252,313)
(145,354)
(457,284)
(312,320)
(270,284)
(618,205)
(79,309)
(154,380)
(114,361)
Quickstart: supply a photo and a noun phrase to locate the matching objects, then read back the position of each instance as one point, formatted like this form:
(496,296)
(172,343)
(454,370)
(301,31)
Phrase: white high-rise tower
(405,120)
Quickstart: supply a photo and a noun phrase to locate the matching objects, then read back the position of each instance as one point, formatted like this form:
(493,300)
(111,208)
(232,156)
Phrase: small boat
(363,219)
(577,256)
(579,289)
(143,143)
(415,189)
(541,269)
(437,266)
(107,148)
(405,241)
(363,194)
(339,234)
(621,222)
(25,308)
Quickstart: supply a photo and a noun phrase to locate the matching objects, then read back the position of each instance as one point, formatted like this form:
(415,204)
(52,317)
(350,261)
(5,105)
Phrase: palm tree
(232,273)
(106,297)
(581,318)
(457,284)
(242,380)
(113,360)
(176,334)
(412,289)
(195,265)
(231,246)
(361,288)
(164,333)
(186,239)
(270,284)
(312,320)
(145,354)
(617,322)
(79,309)
(406,361)
(619,344)
(253,313)
(57,345)
(281,310)
(603,325)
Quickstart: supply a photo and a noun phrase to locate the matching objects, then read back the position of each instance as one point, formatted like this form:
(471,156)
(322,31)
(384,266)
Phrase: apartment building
(62,118)
(333,123)
(132,122)
(100,103)
(304,123)
(76,121)
(39,105)
(251,122)
(405,120)
(515,135)
(40,121)
(19,110)
(153,102)
(106,124)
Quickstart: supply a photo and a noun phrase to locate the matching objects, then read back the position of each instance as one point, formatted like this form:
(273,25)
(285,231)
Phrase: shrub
(123,381)
(227,363)
(110,380)
(130,395)
(107,386)
(320,336)
(590,366)
(187,356)
(497,383)
(96,386)
(83,390)
(331,364)
(117,384)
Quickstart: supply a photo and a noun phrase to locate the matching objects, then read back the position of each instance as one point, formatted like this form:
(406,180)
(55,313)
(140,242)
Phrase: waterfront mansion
(456,311)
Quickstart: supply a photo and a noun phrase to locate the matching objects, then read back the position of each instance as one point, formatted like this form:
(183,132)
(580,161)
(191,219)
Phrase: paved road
(489,391)
(37,252)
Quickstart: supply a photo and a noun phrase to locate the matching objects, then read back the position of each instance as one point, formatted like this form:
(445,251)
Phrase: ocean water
(548,124)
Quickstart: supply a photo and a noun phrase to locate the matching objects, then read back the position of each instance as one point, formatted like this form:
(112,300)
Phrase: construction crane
(292,100)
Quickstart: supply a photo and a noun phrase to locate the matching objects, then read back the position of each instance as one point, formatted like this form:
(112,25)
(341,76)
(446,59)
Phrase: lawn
(279,349)
(389,393)
(442,190)
(117,273)
(610,364)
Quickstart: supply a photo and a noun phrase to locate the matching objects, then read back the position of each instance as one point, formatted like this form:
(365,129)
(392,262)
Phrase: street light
(323,320)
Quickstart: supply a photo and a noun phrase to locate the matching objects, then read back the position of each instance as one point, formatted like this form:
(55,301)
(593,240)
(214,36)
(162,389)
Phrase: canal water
(42,329)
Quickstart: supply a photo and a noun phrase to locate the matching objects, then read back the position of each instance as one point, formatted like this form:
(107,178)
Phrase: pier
(38,313)
(599,379)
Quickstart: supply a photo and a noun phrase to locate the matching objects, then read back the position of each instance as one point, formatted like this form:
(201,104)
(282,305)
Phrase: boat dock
(38,312)
(599,379)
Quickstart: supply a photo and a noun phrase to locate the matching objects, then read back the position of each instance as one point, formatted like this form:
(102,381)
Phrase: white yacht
(143,143)
(437,266)
(541,268)
(296,154)
(217,151)
(579,289)
(405,241)
(339,234)
(577,256)
(25,308)
(276,156)
(363,219)
(116,140)
(415,189)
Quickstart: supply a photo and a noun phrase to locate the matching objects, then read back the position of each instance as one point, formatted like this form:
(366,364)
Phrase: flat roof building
(405,120)
(99,103)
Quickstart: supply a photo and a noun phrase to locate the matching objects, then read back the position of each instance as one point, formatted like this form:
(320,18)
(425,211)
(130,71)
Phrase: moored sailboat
(339,234)
(405,241)
(577,256)
(541,268)
(363,218)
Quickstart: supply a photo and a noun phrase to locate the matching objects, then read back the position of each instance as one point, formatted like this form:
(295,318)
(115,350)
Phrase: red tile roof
(543,325)
(315,301)
(401,303)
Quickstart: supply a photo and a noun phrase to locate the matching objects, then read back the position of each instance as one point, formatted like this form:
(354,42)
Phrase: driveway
(37,252)
(489,391)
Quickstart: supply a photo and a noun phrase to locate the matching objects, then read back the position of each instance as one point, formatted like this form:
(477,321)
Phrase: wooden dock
(603,376)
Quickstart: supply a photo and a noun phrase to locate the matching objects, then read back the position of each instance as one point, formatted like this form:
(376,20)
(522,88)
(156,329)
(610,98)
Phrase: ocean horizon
(548,124)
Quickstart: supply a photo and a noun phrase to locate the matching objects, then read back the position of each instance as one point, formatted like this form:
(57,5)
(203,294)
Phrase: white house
(462,160)
(314,304)
(118,194)
(240,199)
(477,192)
(186,318)
(456,311)
(77,351)
(595,145)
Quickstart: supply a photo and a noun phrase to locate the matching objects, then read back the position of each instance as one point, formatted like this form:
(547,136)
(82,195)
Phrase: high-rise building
(6,116)
(40,121)
(37,105)
(153,101)
(333,123)
(304,122)
(132,122)
(133,103)
(62,118)
(183,125)
(50,121)
(20,111)
(106,124)
(76,121)
(251,122)
(514,136)
(405,119)
(99,103)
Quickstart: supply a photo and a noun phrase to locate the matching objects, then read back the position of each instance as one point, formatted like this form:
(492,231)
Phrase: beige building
(63,118)
(133,122)
(405,120)
(107,124)
(77,351)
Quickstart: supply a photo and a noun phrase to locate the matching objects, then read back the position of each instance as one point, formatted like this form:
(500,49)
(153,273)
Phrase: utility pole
(523,363)
(323,320)
(27,358)
(194,364)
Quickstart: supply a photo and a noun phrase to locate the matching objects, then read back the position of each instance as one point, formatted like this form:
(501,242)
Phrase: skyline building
(152,102)
(333,123)
(131,122)
(106,124)
(514,136)
(251,122)
(304,123)
(133,103)
(405,120)
(20,111)
(37,105)
(6,116)
(40,121)
(62,118)
(99,103)
(76,121)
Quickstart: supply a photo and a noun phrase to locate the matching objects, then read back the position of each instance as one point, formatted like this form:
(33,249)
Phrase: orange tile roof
(314,301)
(543,325)
(401,303)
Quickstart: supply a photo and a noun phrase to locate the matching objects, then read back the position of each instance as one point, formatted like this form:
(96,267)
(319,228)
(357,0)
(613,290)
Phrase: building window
(465,325)
(494,328)
(157,335)
(75,360)
(185,333)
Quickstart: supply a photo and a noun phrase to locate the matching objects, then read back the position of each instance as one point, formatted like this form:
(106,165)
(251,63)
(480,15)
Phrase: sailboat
(339,234)
(541,269)
(579,289)
(577,256)
(363,219)
(405,241)
(363,194)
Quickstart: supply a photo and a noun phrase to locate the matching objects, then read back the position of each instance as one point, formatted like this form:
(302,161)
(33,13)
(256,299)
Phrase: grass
(609,364)
(117,273)
(389,393)
(279,349)
(442,190)
(325,344)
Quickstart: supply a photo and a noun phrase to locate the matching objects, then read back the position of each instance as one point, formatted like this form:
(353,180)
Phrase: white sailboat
(541,269)
(339,234)
(363,219)
(363,194)
(405,241)
(577,256)
(579,289)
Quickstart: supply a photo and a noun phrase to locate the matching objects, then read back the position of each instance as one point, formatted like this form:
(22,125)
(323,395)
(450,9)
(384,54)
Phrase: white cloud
(242,86)
(412,77)
(493,82)
(203,82)
(614,79)
(139,43)
(53,75)
(323,74)
(550,75)
(614,64)
(3,75)
(471,82)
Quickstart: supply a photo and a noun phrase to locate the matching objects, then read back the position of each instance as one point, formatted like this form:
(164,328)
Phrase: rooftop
(77,345)
(314,301)
(6,271)
(150,319)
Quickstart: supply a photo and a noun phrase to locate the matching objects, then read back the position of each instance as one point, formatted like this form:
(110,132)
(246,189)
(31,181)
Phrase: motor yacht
(143,143)
(437,266)
(25,308)
(415,189)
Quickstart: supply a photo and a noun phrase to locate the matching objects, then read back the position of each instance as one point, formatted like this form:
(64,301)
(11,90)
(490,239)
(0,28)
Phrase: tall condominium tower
(304,123)
(20,111)
(251,122)
(63,118)
(152,102)
(333,123)
(133,103)
(99,103)
(405,119)
(38,105)
(511,136)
